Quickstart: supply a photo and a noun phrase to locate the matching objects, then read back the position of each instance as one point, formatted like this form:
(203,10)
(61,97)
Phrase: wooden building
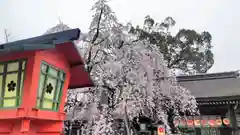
(218,98)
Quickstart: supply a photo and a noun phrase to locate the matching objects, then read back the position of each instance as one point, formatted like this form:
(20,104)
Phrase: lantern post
(35,75)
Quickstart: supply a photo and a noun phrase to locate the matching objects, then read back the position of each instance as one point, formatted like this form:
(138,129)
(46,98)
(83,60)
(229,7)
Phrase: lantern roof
(63,43)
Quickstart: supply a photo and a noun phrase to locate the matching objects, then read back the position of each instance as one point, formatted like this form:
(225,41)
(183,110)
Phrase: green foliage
(188,50)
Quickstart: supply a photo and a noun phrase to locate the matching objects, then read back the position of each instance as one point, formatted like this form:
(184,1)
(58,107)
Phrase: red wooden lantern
(35,74)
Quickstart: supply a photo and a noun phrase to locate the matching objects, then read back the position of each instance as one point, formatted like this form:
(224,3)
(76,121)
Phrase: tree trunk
(126,118)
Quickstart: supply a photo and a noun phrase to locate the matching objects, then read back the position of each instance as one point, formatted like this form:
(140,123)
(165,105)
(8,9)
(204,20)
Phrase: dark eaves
(208,76)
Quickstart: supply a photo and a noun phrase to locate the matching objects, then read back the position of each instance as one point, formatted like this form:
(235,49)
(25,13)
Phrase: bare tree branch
(94,38)
(100,41)
(7,35)
(98,25)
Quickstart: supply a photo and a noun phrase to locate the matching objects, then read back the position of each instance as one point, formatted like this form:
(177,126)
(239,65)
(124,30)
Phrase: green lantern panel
(50,87)
(11,83)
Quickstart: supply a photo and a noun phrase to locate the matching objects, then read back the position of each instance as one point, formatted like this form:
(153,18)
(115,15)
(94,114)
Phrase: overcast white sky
(28,18)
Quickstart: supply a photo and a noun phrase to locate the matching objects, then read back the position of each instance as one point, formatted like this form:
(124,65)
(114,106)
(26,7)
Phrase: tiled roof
(226,84)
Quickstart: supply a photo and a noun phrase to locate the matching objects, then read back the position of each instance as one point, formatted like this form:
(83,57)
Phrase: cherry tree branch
(94,37)
(98,25)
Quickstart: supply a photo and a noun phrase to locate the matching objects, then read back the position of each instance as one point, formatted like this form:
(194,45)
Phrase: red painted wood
(80,78)
(70,52)
(27,119)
